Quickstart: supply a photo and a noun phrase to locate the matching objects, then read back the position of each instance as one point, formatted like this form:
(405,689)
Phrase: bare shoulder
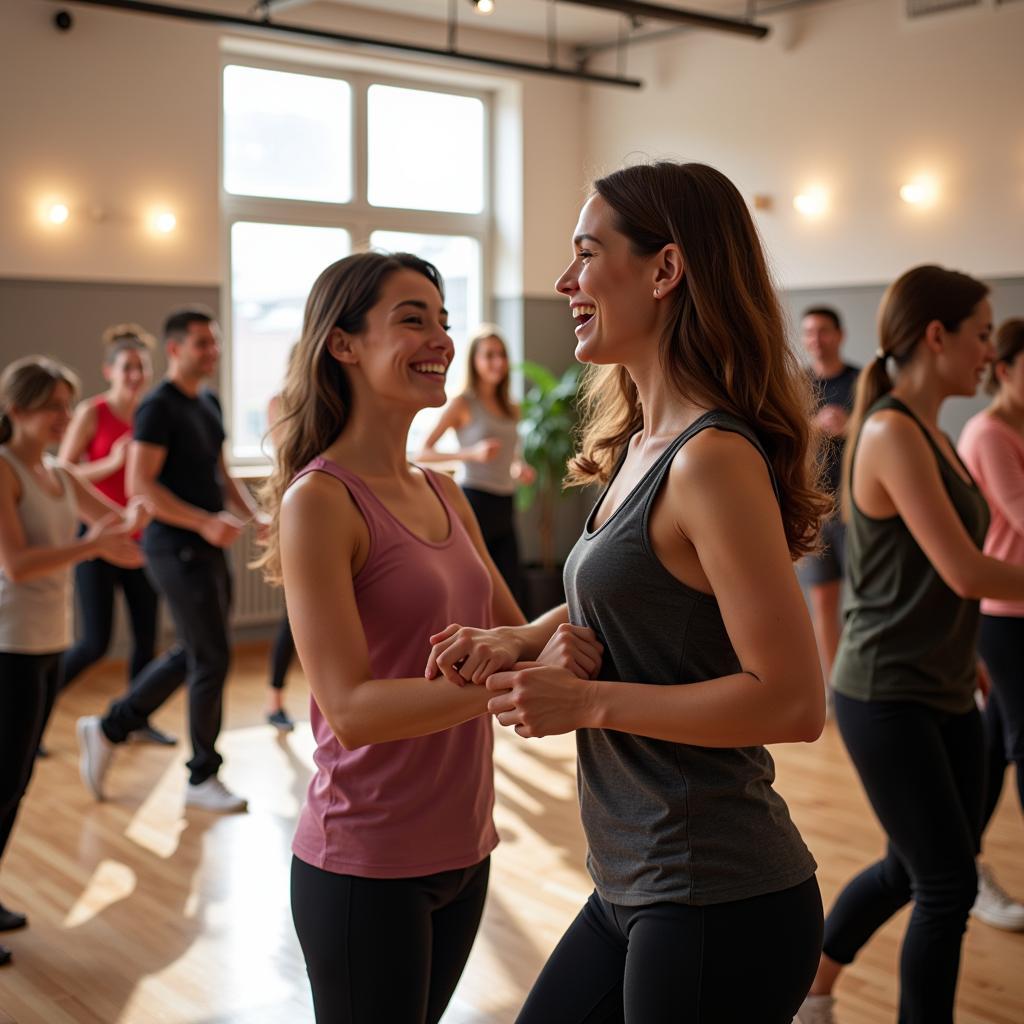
(9,484)
(893,432)
(315,498)
(715,459)
(448,487)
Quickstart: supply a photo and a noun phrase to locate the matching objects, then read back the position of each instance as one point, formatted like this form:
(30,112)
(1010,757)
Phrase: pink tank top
(109,428)
(407,807)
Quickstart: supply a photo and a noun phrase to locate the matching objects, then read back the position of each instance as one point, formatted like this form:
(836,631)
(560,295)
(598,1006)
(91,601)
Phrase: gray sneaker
(817,1010)
(213,795)
(95,754)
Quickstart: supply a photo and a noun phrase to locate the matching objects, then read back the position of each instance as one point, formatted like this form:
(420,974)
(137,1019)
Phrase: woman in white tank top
(41,502)
(485,422)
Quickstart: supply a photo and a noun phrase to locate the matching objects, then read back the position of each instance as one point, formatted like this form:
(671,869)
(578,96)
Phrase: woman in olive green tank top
(906,670)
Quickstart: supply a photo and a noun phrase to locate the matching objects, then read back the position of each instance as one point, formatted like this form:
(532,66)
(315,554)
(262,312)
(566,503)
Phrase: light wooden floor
(144,914)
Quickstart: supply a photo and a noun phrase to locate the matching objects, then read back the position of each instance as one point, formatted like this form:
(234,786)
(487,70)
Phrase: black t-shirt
(838,390)
(192,432)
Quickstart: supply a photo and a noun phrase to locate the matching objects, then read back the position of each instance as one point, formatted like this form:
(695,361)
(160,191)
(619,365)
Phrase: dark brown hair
(478,337)
(28,383)
(316,400)
(725,344)
(920,297)
(121,337)
(1009,345)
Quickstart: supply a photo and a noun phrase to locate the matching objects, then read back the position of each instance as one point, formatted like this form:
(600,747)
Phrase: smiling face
(967,351)
(129,372)
(821,338)
(490,361)
(46,423)
(403,353)
(197,353)
(610,290)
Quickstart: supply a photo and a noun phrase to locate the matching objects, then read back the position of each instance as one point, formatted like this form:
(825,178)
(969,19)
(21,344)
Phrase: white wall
(852,95)
(122,113)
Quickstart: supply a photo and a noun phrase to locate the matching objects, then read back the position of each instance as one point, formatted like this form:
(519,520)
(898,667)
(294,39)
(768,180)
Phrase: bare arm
(453,416)
(894,453)
(144,464)
(722,502)
(322,537)
(237,495)
(77,440)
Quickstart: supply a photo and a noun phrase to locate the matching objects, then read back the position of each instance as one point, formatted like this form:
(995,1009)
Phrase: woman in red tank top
(96,444)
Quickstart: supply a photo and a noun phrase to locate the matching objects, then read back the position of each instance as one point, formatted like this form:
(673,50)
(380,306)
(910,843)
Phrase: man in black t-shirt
(835,381)
(177,463)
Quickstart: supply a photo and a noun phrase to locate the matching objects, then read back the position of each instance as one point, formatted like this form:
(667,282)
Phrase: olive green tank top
(907,635)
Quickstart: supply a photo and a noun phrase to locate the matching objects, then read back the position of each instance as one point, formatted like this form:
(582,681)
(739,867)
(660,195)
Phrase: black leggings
(1001,646)
(496,514)
(95,584)
(281,654)
(751,960)
(385,950)
(922,770)
(28,688)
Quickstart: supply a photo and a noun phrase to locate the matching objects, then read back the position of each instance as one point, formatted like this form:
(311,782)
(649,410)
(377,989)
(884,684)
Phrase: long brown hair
(28,383)
(1009,345)
(316,400)
(477,338)
(725,343)
(919,297)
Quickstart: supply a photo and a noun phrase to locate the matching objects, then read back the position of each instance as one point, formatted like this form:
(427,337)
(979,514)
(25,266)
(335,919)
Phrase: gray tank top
(669,822)
(495,476)
(36,615)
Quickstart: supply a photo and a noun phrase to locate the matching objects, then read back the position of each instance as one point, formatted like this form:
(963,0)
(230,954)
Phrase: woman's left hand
(540,700)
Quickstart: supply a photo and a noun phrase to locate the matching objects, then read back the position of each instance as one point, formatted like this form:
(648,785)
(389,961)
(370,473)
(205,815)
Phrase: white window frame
(357,216)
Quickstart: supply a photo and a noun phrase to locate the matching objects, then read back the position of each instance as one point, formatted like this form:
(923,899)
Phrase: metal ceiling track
(676,15)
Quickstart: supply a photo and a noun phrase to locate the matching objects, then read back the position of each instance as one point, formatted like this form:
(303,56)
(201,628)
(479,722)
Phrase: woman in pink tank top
(96,444)
(377,555)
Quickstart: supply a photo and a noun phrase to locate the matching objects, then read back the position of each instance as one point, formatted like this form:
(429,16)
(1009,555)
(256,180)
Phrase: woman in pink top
(992,446)
(376,555)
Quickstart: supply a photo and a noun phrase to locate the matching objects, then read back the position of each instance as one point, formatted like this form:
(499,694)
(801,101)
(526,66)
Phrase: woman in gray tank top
(485,421)
(685,644)
(40,503)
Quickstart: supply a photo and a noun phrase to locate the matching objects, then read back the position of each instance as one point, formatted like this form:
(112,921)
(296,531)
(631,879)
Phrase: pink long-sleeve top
(994,453)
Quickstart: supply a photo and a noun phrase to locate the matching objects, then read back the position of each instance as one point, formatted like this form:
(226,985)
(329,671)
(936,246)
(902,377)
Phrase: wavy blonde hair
(316,400)
(725,344)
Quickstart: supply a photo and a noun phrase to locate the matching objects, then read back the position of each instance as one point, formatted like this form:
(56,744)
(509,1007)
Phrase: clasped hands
(545,697)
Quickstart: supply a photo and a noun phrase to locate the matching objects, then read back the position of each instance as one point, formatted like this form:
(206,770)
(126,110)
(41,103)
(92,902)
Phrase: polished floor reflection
(143,913)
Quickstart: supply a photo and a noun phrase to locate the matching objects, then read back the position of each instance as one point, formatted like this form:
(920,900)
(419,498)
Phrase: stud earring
(657,292)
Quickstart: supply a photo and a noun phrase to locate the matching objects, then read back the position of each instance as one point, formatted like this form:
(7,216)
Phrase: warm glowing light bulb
(165,222)
(485,6)
(920,192)
(58,213)
(811,203)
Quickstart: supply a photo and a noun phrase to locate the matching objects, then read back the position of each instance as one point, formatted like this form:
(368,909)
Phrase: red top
(415,806)
(109,427)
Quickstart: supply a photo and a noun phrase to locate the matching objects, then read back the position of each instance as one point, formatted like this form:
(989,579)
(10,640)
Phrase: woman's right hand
(485,450)
(111,540)
(464,654)
(575,648)
(119,451)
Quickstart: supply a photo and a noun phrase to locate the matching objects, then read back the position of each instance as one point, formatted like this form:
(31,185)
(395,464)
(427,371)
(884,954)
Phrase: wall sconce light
(483,6)
(165,222)
(812,202)
(922,191)
(57,213)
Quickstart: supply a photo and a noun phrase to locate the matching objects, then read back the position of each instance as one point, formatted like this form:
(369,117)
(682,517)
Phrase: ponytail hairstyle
(122,337)
(27,384)
(1009,345)
(478,337)
(920,297)
(316,400)
(725,343)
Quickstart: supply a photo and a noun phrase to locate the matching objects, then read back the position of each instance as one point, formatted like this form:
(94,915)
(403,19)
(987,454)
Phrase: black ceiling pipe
(677,15)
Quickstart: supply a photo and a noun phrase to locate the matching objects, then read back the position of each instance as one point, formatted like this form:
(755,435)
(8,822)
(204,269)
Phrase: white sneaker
(213,795)
(994,906)
(817,1010)
(95,754)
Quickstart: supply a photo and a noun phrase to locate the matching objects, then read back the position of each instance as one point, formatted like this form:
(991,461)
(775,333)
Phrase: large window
(316,166)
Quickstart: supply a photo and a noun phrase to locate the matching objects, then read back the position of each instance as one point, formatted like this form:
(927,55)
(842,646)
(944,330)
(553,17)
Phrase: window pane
(273,267)
(287,136)
(458,259)
(426,150)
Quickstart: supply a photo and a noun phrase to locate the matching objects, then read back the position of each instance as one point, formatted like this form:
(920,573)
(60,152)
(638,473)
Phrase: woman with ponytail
(906,671)
(393,842)
(691,642)
(41,502)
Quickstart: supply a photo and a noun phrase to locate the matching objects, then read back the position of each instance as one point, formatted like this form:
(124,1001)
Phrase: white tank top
(495,476)
(36,615)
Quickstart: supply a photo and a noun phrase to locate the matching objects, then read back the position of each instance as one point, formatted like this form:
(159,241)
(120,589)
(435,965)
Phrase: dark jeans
(1001,646)
(385,949)
(28,688)
(496,514)
(95,584)
(196,584)
(923,771)
(666,963)
(281,654)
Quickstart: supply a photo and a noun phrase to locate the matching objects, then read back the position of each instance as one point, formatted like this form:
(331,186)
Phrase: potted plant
(547,423)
